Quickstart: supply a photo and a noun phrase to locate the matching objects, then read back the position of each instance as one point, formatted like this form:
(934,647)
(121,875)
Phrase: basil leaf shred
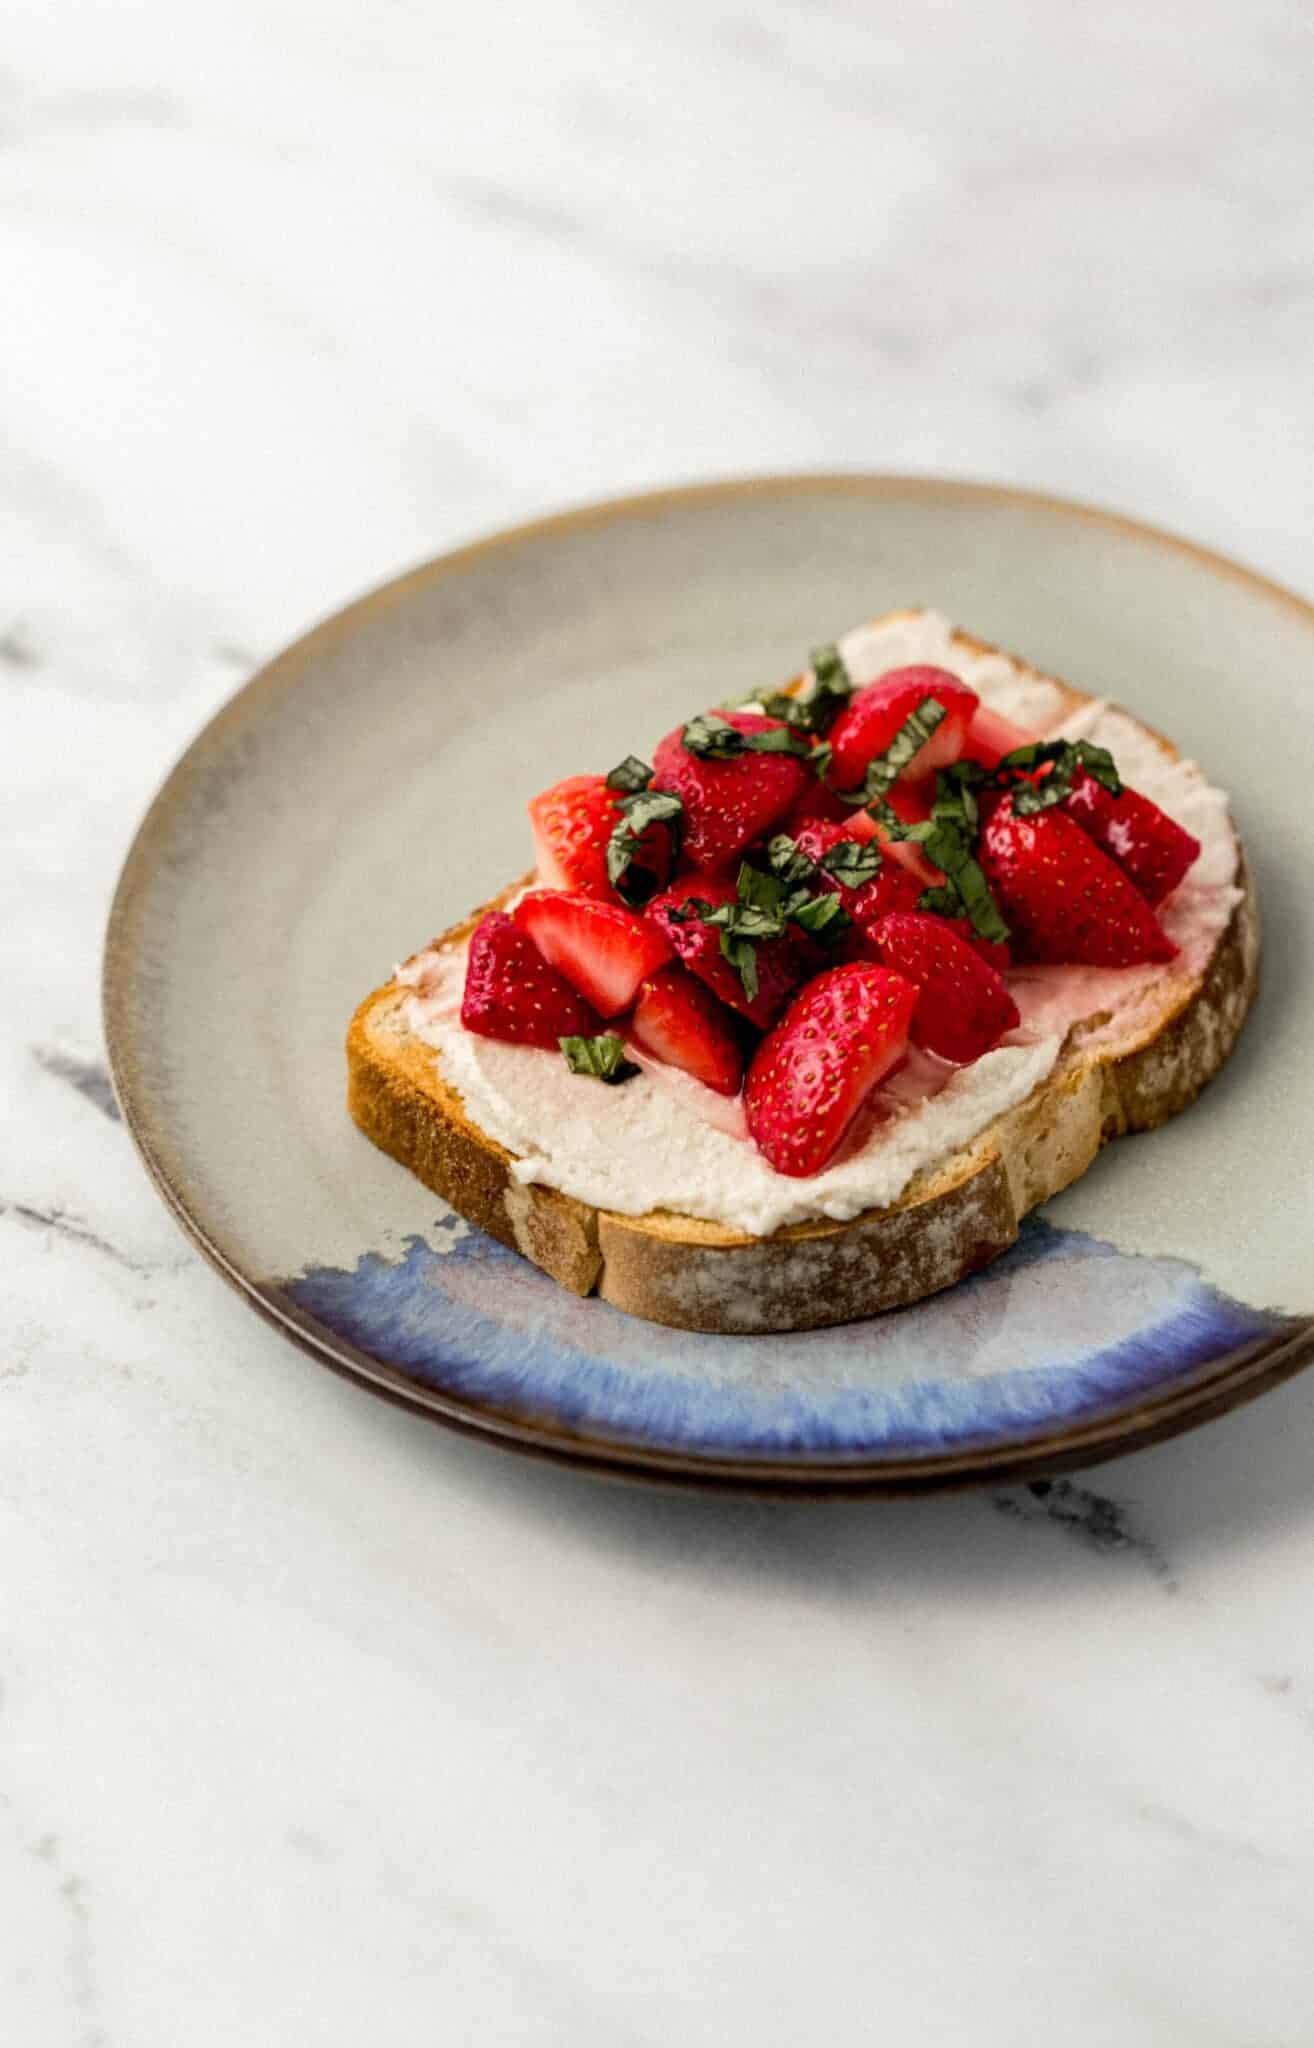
(603,1058)
(634,883)
(630,775)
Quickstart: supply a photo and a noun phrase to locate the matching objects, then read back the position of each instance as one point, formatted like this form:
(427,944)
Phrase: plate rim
(1225,1383)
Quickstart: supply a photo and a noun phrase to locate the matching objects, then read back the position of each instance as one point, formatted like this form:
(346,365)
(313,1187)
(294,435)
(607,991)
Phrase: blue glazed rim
(1147,1415)
(648,1403)
(1213,1389)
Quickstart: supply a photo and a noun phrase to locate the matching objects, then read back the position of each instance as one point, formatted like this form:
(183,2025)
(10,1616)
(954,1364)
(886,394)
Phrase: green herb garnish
(948,836)
(852,862)
(884,771)
(1064,758)
(634,883)
(789,863)
(765,904)
(760,892)
(602,1057)
(948,839)
(815,709)
(823,917)
(942,902)
(741,925)
(829,670)
(713,738)
(848,860)
(630,775)
(965,887)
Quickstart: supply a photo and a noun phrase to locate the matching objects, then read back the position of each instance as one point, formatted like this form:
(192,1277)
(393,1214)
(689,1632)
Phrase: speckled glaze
(342,809)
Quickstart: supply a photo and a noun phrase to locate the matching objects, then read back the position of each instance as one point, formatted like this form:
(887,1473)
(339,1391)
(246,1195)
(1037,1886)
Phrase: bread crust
(953,1217)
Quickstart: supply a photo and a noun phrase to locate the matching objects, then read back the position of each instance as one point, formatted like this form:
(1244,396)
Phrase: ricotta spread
(663,1141)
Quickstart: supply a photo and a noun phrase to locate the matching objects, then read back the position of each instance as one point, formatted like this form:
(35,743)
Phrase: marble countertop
(319,1726)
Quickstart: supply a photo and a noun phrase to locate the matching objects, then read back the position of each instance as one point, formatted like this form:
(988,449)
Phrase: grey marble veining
(316,1725)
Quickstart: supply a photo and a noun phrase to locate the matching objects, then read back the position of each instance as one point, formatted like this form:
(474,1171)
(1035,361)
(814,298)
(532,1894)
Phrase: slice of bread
(955,1215)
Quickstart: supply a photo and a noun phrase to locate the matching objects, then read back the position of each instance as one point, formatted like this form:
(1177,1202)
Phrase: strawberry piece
(870,721)
(679,1020)
(815,805)
(911,803)
(1151,848)
(781,963)
(964,1007)
(892,887)
(512,993)
(1066,901)
(572,823)
(995,952)
(603,950)
(990,736)
(728,804)
(813,1071)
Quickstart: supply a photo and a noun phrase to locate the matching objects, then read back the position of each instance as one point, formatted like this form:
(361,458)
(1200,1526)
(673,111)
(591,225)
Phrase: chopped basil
(713,738)
(968,880)
(829,669)
(742,956)
(940,902)
(818,705)
(791,889)
(947,838)
(742,926)
(823,917)
(602,1057)
(955,795)
(777,739)
(790,863)
(1063,758)
(759,891)
(744,920)
(852,862)
(793,710)
(634,883)
(630,775)
(765,904)
(1031,797)
(917,728)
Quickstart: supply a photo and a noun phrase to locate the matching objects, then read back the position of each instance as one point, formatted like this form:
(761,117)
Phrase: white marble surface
(318,1726)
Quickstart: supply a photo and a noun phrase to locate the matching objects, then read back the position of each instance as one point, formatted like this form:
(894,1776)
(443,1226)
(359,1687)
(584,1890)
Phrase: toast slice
(954,1216)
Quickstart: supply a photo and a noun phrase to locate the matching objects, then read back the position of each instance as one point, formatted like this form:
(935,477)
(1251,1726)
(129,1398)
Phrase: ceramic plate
(369,786)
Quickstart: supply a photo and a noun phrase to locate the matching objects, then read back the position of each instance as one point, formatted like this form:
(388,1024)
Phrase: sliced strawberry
(1066,901)
(990,736)
(964,1007)
(679,1020)
(869,722)
(892,887)
(572,822)
(728,804)
(995,952)
(512,993)
(816,804)
(781,963)
(603,950)
(813,1071)
(911,802)
(1151,848)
